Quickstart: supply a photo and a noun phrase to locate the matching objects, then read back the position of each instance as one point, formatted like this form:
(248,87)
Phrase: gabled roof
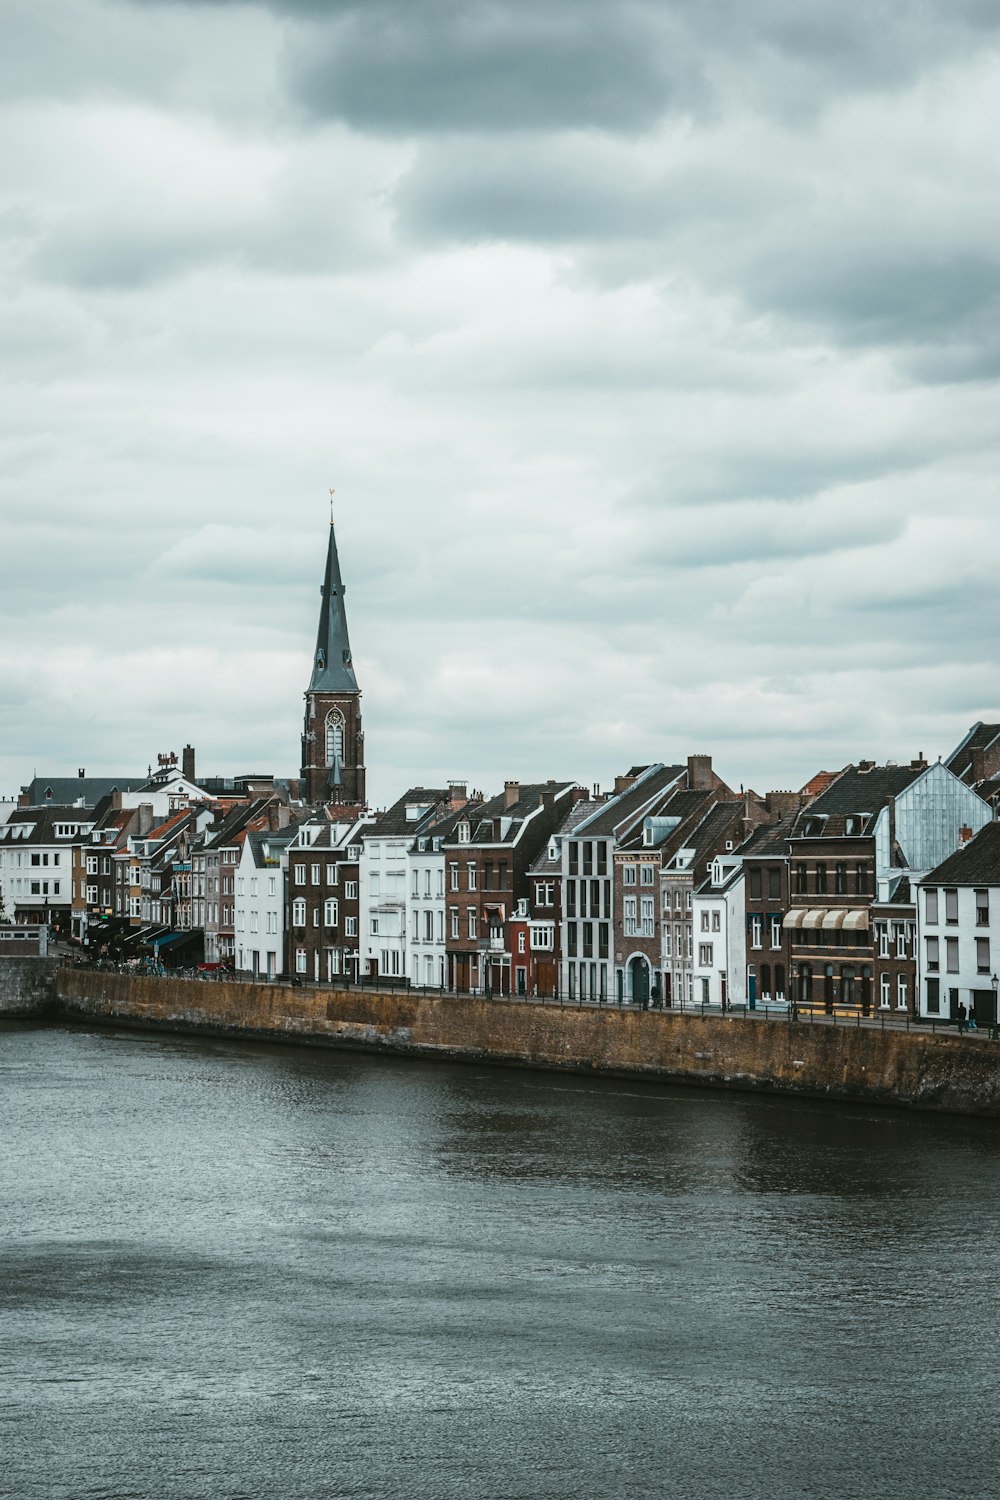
(333,671)
(980,737)
(770,840)
(577,814)
(64,791)
(614,817)
(494,822)
(394,822)
(704,836)
(976,863)
(857,792)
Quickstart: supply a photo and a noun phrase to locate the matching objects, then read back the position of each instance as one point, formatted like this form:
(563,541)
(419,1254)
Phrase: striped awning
(802,916)
(857,921)
(834,919)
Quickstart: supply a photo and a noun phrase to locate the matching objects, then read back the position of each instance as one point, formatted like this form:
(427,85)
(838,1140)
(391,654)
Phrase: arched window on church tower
(334,738)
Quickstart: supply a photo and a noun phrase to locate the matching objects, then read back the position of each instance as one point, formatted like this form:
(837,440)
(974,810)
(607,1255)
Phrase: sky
(652,351)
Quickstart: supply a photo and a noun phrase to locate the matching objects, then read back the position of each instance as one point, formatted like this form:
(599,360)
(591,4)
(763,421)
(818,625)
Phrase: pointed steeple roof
(332,668)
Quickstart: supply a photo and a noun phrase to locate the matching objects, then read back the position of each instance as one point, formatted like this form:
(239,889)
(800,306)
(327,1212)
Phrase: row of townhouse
(820,909)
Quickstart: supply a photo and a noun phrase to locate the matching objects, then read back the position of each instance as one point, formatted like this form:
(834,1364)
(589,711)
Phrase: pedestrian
(961,1014)
(972,1020)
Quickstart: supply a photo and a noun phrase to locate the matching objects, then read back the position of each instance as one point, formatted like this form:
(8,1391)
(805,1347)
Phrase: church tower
(333,745)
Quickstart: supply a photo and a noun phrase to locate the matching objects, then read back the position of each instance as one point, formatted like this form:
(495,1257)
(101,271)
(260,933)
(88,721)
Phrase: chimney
(458,794)
(81,772)
(700,777)
(547,800)
(144,822)
(597,791)
(866,765)
(187,762)
(964,835)
(511,794)
(918,764)
(622,783)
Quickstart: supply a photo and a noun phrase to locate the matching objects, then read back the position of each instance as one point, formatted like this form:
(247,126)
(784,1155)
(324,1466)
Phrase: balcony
(492,944)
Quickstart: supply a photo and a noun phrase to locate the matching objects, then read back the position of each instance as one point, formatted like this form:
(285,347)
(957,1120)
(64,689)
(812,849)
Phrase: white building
(261,877)
(39,849)
(719,935)
(388,948)
(958,932)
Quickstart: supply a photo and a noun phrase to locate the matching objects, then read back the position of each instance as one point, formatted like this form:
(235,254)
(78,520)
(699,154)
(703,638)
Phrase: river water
(239,1271)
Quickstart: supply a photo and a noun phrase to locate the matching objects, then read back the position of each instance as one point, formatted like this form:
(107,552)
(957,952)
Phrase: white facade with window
(259,904)
(958,945)
(427,948)
(719,958)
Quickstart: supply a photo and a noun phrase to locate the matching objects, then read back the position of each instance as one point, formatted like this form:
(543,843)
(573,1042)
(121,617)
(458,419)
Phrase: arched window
(334,738)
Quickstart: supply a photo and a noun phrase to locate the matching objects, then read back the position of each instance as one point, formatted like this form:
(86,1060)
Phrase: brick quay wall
(916,1070)
(27,988)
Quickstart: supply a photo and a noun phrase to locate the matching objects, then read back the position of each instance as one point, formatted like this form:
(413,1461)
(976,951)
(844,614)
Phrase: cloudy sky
(653,350)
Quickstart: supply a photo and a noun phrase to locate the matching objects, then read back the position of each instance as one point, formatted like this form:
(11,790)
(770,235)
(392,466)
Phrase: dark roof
(394,821)
(770,840)
(855,792)
(63,791)
(576,814)
(42,821)
(980,737)
(624,806)
(333,671)
(484,817)
(707,834)
(976,863)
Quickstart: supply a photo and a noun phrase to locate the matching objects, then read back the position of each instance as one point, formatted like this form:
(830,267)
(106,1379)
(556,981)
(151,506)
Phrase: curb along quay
(925,1071)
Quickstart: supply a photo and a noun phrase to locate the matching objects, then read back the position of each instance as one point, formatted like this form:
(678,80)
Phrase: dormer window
(463,833)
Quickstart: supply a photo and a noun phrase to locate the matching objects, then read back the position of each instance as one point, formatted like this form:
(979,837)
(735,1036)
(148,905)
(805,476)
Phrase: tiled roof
(544,865)
(980,737)
(976,863)
(63,791)
(855,792)
(629,804)
(394,821)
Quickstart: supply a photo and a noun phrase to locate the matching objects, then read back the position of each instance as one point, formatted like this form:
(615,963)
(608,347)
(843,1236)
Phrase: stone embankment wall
(27,988)
(933,1072)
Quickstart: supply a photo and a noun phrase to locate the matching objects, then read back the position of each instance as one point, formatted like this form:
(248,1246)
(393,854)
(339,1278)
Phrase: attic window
(729,846)
(463,833)
(48,793)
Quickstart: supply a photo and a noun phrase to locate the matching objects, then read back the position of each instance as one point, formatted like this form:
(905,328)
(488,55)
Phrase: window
(705,955)
(272,921)
(716,921)
(840,880)
(330,911)
(543,893)
(541,938)
(299,913)
(900,939)
(521,941)
(350,926)
(933,955)
(883,939)
(648,916)
(628,874)
(704,921)
(885,992)
(92,895)
(629,916)
(300,874)
(933,997)
(821,880)
(756,886)
(801,880)
(861,879)
(454,922)
(775,932)
(951,907)
(756,932)
(331,878)
(300,960)
(373,925)
(254,918)
(982,906)
(472,921)
(428,927)
(463,833)
(931,907)
(774,883)
(982,955)
(334,738)
(471,867)
(91,864)
(646,875)
(951,954)
(453,876)
(900,991)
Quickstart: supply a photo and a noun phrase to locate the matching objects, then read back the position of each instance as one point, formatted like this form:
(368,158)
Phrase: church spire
(333,754)
(333,671)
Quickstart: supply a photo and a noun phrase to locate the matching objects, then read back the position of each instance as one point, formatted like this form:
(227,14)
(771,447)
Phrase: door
(639,973)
